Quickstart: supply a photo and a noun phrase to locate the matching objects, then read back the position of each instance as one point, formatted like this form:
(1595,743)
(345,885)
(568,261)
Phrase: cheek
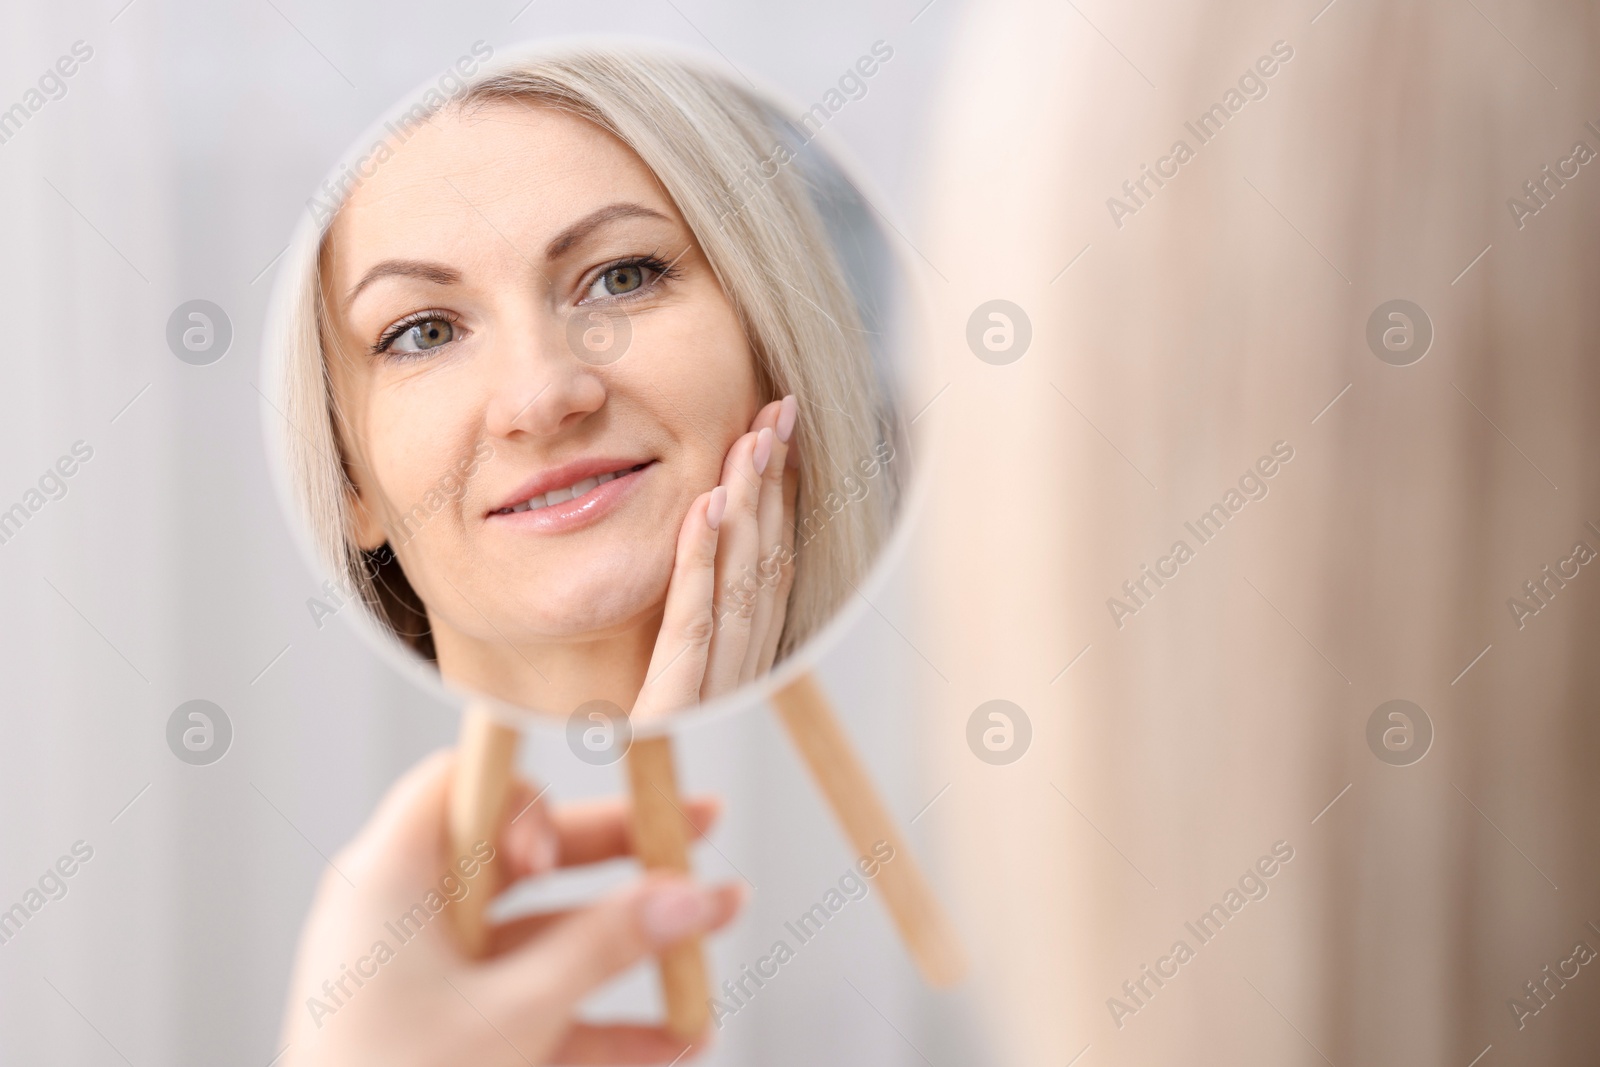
(698,373)
(413,443)
(399,460)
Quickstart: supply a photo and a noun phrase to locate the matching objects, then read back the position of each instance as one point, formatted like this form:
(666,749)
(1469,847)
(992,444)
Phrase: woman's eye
(421,336)
(618,281)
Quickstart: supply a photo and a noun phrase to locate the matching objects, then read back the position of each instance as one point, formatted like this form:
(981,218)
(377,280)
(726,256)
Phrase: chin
(572,607)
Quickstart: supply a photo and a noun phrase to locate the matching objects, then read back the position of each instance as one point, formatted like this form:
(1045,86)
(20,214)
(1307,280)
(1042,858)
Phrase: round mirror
(590,385)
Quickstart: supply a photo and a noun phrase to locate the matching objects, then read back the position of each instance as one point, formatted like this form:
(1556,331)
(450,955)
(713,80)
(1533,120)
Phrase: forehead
(521,169)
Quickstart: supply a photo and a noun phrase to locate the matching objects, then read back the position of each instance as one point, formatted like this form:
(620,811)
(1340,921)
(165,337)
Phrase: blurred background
(1340,157)
(1120,355)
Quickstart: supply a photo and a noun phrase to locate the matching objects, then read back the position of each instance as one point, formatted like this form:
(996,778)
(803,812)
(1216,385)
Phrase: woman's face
(531,480)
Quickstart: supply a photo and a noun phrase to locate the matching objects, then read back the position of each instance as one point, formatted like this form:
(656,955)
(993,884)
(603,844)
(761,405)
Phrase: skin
(672,597)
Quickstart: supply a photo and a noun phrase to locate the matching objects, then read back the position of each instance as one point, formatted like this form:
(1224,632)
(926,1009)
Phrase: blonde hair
(723,156)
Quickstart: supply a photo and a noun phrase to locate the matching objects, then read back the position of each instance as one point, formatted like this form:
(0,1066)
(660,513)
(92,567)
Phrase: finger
(529,840)
(737,545)
(591,833)
(514,933)
(770,515)
(586,1043)
(786,566)
(602,830)
(678,662)
(577,953)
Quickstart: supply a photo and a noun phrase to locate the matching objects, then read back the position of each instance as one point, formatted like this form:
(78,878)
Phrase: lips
(572,481)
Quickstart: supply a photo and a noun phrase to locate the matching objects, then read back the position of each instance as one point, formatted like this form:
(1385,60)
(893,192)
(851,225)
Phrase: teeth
(571,492)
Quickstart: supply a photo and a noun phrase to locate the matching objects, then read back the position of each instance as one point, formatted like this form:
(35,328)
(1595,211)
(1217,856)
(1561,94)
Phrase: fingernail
(719,504)
(763,449)
(788,411)
(673,911)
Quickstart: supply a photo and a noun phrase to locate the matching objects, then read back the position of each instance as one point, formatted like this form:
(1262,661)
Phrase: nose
(540,388)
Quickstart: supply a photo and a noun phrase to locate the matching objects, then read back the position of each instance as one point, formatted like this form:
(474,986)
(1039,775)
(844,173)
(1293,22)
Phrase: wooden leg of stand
(661,839)
(816,732)
(485,757)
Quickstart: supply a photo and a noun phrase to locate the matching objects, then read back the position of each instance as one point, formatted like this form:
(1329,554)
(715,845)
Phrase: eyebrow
(437,273)
(440,274)
(593,221)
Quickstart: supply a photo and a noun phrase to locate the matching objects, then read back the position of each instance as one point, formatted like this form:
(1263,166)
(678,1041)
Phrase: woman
(559,370)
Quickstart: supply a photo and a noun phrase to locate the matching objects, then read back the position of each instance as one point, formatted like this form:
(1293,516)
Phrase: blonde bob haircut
(734,167)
